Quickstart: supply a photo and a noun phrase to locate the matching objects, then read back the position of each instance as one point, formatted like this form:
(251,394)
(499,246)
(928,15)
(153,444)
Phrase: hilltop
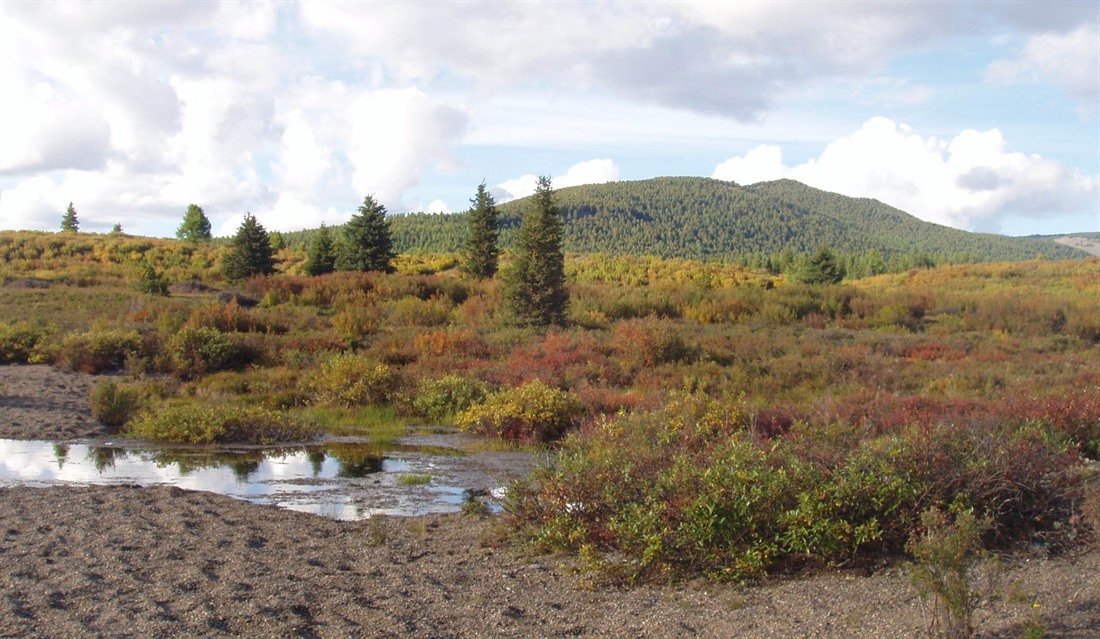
(712,220)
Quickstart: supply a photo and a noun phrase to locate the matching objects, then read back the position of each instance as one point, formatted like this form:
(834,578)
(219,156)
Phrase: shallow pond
(341,479)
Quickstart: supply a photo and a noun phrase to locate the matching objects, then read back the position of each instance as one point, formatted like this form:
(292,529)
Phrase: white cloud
(968,182)
(438,206)
(295,111)
(588,172)
(396,134)
(1070,61)
(515,188)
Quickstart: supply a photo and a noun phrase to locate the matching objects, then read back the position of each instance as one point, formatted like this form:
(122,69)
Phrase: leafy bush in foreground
(98,351)
(351,380)
(19,342)
(532,412)
(198,351)
(441,399)
(684,491)
(114,404)
(191,423)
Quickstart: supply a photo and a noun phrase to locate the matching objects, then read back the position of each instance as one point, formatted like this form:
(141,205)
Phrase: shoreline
(165,562)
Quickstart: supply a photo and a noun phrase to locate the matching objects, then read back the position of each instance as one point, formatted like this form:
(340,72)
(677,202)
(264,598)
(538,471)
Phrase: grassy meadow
(711,419)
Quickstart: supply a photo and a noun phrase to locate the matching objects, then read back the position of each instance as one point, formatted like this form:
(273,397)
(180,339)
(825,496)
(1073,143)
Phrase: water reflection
(338,479)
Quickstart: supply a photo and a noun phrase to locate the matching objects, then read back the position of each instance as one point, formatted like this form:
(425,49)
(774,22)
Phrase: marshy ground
(163,562)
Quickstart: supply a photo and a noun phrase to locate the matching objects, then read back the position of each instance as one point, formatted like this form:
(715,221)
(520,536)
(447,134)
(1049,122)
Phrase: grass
(381,424)
(414,479)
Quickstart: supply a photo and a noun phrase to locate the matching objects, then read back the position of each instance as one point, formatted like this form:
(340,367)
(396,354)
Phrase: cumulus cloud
(968,182)
(396,134)
(588,172)
(295,111)
(438,206)
(733,58)
(1070,61)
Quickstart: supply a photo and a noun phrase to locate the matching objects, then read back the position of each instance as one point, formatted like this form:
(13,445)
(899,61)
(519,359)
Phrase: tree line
(533,284)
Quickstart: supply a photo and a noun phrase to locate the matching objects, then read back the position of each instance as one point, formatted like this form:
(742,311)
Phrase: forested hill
(708,219)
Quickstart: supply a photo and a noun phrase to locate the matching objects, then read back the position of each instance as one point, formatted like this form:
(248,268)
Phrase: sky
(980,115)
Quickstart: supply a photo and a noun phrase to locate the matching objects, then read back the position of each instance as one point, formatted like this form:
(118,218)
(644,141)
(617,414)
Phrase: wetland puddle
(346,480)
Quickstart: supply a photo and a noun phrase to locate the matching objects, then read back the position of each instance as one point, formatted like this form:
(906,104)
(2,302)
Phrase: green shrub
(687,490)
(152,282)
(531,412)
(951,571)
(114,404)
(197,351)
(98,351)
(347,379)
(203,423)
(441,399)
(19,342)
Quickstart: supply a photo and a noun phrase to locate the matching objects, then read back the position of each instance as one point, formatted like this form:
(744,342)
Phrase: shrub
(687,489)
(198,351)
(114,404)
(152,282)
(441,399)
(951,571)
(19,342)
(531,412)
(647,342)
(196,423)
(98,351)
(347,379)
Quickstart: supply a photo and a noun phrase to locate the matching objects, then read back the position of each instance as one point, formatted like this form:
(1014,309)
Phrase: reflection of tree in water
(242,468)
(356,460)
(104,457)
(242,463)
(316,458)
(60,453)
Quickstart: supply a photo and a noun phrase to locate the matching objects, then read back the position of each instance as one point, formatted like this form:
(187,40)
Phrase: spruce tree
(367,244)
(534,283)
(821,268)
(322,253)
(68,221)
(480,250)
(195,226)
(251,253)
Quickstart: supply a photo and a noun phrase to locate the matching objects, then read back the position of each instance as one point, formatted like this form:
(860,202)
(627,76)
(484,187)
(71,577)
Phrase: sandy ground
(41,402)
(163,562)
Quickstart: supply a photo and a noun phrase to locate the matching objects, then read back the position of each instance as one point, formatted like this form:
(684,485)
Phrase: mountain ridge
(715,220)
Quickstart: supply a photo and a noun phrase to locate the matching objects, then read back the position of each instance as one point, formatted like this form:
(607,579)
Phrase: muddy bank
(41,402)
(163,562)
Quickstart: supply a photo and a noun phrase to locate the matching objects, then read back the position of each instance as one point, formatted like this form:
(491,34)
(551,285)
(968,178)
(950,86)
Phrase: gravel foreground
(163,562)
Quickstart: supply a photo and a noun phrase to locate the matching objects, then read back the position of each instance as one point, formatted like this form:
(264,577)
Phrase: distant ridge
(707,219)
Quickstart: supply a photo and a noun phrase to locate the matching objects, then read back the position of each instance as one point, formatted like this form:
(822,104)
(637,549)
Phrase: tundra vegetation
(710,418)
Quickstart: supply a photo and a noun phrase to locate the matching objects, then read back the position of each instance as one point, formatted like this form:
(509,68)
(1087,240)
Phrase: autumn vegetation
(711,417)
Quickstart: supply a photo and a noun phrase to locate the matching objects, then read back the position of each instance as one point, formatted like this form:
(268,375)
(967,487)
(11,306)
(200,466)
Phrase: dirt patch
(163,562)
(41,402)
(26,282)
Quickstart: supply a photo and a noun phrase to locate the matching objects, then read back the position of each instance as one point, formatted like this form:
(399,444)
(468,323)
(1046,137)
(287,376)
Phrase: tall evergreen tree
(322,253)
(195,226)
(367,245)
(68,221)
(480,250)
(821,268)
(534,283)
(251,253)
